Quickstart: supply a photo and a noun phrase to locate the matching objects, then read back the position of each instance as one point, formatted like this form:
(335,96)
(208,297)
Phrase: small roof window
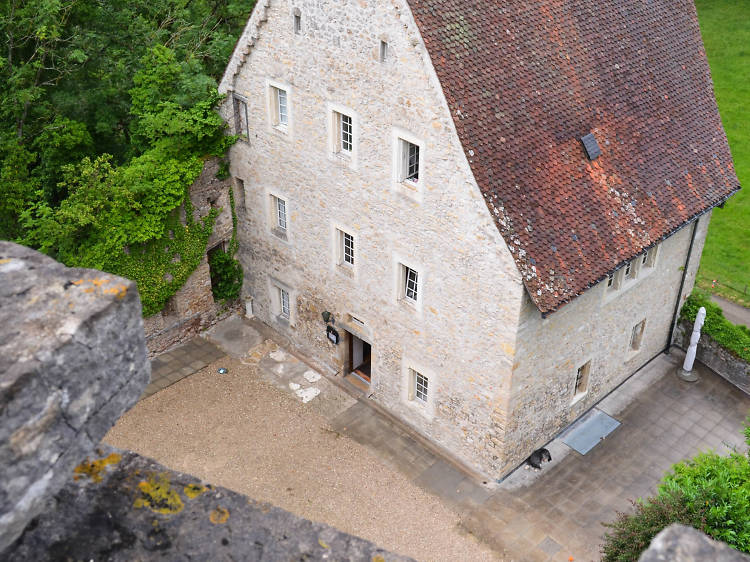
(591,146)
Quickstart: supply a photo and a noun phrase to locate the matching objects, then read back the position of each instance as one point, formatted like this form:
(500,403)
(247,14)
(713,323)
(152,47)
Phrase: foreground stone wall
(595,327)
(192,309)
(461,334)
(72,361)
(679,543)
(123,507)
(716,357)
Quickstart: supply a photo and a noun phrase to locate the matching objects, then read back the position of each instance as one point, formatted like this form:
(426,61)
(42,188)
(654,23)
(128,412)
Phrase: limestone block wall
(595,327)
(462,333)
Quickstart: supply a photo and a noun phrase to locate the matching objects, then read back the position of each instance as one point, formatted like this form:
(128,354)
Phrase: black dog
(539,456)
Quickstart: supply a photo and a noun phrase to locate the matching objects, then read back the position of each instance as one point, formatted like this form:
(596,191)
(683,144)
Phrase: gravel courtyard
(238,431)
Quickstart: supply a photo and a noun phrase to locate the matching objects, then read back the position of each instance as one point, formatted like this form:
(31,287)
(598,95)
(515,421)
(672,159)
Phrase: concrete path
(735,313)
(554,514)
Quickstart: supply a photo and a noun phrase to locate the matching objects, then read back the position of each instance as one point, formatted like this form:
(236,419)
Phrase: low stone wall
(716,357)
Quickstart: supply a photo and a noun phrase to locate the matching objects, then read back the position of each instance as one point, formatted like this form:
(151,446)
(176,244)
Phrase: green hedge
(731,336)
(709,492)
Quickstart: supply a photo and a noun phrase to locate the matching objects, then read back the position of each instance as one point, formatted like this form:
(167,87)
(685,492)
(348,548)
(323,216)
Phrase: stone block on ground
(72,361)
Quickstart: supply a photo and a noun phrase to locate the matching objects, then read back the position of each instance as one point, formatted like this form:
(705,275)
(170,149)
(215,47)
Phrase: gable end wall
(463,333)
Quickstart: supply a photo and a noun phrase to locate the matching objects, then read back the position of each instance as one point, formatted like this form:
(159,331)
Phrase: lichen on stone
(93,469)
(219,515)
(192,491)
(157,494)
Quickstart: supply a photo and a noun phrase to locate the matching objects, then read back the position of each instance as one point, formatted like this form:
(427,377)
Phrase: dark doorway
(360,357)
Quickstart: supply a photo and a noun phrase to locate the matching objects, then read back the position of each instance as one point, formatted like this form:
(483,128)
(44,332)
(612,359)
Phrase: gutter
(682,285)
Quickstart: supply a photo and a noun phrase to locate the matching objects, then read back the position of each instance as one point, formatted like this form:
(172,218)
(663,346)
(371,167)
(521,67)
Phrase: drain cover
(586,433)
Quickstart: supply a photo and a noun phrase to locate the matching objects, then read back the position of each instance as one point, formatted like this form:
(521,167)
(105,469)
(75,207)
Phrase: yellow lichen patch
(322,543)
(192,491)
(158,495)
(118,290)
(219,515)
(378,559)
(93,469)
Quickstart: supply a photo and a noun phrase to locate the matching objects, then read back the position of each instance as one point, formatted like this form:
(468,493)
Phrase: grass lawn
(725,25)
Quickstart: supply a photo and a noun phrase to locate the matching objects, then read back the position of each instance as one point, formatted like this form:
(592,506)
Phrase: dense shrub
(708,492)
(631,534)
(734,338)
(226,275)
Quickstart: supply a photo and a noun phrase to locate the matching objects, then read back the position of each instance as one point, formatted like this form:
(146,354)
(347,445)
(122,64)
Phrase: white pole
(686,372)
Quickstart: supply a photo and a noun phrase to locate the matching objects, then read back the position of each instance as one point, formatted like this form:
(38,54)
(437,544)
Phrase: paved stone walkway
(181,362)
(554,514)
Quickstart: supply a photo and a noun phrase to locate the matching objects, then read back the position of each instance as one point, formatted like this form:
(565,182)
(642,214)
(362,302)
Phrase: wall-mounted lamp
(328,317)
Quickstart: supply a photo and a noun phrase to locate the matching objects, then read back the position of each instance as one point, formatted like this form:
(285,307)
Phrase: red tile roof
(526,79)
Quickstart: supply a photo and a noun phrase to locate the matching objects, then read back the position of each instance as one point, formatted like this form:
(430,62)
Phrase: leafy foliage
(708,492)
(107,111)
(226,271)
(735,338)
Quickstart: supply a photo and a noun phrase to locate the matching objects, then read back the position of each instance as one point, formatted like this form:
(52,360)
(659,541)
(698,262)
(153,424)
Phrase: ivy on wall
(226,271)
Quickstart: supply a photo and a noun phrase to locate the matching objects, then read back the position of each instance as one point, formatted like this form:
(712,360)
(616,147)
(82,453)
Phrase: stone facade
(595,327)
(461,332)
(192,309)
(499,375)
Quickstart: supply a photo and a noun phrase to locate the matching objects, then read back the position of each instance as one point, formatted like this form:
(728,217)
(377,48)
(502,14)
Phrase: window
(409,171)
(383,51)
(629,272)
(297,21)
(284,307)
(411,283)
(241,127)
(636,336)
(644,258)
(610,280)
(344,126)
(279,212)
(280,107)
(582,380)
(419,386)
(347,242)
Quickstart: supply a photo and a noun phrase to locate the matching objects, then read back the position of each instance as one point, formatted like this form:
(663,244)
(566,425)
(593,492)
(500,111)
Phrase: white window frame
(424,405)
(401,139)
(581,381)
(336,152)
(348,249)
(384,50)
(402,270)
(283,302)
(275,223)
(273,89)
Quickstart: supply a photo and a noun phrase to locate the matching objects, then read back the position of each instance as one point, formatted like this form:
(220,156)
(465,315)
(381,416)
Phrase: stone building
(489,214)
